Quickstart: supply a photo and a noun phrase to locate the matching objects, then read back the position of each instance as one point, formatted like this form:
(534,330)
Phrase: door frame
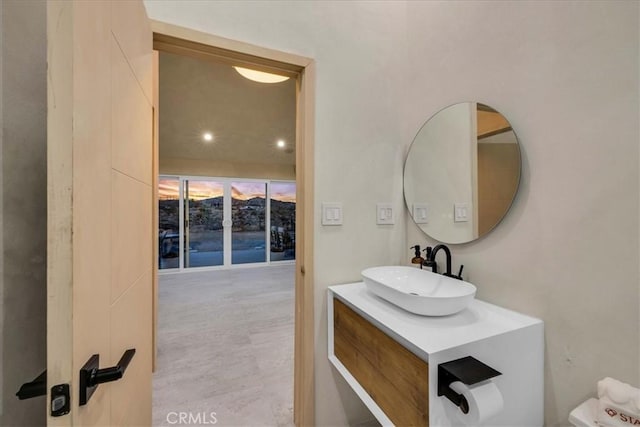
(189,42)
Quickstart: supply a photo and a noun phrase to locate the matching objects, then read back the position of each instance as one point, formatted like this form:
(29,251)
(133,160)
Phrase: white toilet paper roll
(485,401)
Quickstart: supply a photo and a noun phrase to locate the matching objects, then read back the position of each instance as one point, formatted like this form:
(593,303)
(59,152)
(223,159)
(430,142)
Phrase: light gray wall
(23,212)
(565,74)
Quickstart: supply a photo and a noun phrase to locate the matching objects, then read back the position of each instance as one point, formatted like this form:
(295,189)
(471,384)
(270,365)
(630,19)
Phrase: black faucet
(432,258)
(430,261)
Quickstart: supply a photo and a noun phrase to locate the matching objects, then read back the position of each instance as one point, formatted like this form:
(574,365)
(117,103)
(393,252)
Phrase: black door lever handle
(113,373)
(35,388)
(91,375)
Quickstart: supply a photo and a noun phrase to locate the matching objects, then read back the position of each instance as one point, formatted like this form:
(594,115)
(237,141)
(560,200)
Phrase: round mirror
(462,172)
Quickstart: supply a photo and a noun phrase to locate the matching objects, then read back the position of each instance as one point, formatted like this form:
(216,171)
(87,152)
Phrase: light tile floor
(225,345)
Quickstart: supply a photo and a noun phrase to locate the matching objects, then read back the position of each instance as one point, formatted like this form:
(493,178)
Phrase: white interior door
(100,256)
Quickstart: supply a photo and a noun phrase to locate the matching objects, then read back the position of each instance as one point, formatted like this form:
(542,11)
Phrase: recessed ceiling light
(260,76)
(207,136)
(281,144)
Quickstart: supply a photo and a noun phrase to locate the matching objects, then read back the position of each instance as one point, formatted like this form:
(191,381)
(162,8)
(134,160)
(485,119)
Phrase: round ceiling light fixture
(207,136)
(260,76)
(280,143)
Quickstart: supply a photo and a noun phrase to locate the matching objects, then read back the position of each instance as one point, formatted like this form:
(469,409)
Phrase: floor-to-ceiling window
(283,220)
(248,218)
(169,222)
(213,222)
(203,226)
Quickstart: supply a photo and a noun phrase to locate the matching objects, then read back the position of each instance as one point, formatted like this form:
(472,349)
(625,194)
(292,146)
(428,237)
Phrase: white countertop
(430,335)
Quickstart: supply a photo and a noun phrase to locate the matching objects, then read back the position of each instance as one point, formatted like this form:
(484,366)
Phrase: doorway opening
(202,256)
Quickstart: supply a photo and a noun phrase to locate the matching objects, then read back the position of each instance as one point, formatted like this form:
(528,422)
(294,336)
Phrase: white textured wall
(565,74)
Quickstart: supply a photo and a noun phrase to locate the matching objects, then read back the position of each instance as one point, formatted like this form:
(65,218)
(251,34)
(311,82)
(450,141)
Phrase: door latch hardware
(35,388)
(91,375)
(60,400)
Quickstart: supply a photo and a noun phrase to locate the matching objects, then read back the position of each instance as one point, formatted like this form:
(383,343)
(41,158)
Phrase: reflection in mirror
(462,172)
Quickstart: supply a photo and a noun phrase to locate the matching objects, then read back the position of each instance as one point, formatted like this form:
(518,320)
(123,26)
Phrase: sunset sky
(199,190)
(283,191)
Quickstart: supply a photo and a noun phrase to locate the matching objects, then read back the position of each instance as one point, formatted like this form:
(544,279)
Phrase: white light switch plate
(420,213)
(460,212)
(332,214)
(384,214)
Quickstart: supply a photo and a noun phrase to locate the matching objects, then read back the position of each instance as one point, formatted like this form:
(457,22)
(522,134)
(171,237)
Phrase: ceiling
(246,118)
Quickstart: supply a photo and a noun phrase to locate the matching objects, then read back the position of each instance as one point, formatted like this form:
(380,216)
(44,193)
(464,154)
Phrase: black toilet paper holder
(467,370)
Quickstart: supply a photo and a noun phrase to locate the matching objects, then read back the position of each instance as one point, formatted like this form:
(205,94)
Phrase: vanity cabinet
(390,357)
(395,378)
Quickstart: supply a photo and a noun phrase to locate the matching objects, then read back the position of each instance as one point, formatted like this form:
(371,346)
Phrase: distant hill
(248,215)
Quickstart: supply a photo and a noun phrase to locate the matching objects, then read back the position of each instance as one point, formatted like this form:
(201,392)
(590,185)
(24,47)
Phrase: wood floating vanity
(390,357)
(396,379)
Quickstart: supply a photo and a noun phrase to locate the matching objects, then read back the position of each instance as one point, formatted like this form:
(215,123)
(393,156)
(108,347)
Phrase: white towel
(619,404)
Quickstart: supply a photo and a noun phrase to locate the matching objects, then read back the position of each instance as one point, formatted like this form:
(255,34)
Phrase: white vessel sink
(419,291)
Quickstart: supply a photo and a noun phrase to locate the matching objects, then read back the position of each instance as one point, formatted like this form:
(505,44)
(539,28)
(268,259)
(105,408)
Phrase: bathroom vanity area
(391,357)
(413,342)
